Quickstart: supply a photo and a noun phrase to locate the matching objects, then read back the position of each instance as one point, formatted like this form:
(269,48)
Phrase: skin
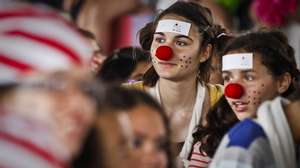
(186,57)
(98,17)
(98,57)
(258,83)
(56,107)
(142,148)
(292,114)
(177,73)
(216,72)
(149,138)
(113,144)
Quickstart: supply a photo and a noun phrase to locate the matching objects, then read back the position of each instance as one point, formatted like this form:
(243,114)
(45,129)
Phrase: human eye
(159,39)
(138,142)
(249,77)
(161,144)
(226,77)
(181,43)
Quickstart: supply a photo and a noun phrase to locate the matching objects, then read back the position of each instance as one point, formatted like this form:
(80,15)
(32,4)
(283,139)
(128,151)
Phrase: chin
(244,116)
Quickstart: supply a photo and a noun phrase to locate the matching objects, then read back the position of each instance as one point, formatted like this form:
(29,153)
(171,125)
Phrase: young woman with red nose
(256,67)
(180,41)
(268,136)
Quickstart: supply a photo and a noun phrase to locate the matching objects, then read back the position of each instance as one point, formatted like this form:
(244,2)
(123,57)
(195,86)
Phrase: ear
(284,81)
(206,53)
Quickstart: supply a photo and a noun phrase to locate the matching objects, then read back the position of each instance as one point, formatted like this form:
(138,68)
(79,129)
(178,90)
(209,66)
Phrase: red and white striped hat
(37,39)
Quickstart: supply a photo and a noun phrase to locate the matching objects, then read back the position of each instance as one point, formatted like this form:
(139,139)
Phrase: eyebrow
(177,36)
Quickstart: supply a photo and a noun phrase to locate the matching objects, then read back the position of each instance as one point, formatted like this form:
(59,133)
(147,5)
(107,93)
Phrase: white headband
(237,61)
(174,26)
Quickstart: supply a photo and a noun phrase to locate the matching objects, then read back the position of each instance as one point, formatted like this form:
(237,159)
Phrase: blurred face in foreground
(59,102)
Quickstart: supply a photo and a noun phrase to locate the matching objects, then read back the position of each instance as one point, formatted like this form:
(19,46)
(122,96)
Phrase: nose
(164,53)
(234,91)
(150,153)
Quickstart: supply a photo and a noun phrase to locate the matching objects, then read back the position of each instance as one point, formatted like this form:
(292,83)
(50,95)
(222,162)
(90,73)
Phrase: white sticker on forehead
(174,26)
(242,61)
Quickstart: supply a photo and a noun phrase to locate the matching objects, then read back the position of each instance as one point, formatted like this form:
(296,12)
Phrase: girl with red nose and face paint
(180,41)
(257,67)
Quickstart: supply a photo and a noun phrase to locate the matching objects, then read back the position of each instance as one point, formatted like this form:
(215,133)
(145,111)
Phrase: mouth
(167,64)
(240,106)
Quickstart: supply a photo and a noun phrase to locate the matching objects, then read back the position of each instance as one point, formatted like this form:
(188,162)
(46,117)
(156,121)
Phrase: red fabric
(34,149)
(73,56)
(15,64)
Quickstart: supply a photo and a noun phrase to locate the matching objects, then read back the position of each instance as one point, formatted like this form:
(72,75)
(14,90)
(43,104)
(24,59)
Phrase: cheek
(163,159)
(185,62)
(256,95)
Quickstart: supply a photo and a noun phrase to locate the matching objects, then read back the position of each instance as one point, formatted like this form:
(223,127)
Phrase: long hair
(219,120)
(198,15)
(276,54)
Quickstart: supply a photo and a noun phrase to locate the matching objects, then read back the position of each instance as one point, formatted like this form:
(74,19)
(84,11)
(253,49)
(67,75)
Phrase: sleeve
(215,93)
(136,85)
(241,148)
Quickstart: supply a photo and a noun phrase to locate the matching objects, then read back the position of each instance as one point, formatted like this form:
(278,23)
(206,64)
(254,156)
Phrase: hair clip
(220,35)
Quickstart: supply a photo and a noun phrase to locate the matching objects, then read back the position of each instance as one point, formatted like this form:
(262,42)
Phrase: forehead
(147,119)
(193,29)
(256,61)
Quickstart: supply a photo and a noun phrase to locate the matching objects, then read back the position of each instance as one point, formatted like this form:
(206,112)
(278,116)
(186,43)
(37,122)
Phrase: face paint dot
(184,56)
(181,66)
(254,98)
(190,62)
(190,57)
(180,60)
(186,66)
(254,91)
(258,92)
(262,85)
(186,62)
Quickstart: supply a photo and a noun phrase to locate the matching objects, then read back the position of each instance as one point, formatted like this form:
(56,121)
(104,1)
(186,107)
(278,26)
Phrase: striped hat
(37,39)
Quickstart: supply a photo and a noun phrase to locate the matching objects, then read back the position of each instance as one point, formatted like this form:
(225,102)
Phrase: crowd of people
(76,91)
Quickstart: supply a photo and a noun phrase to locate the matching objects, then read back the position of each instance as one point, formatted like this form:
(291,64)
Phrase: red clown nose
(234,91)
(164,53)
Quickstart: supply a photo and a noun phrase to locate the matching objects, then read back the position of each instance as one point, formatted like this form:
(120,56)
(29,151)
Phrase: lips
(167,64)
(240,106)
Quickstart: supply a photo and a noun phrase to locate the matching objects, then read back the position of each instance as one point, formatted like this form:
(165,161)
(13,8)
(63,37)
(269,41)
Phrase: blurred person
(101,16)
(98,56)
(36,39)
(131,130)
(42,118)
(125,65)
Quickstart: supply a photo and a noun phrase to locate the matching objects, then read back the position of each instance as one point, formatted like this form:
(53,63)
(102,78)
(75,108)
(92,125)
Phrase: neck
(178,94)
(292,115)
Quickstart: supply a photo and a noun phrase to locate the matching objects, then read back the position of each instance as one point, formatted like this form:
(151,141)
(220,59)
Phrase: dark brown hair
(276,54)
(198,15)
